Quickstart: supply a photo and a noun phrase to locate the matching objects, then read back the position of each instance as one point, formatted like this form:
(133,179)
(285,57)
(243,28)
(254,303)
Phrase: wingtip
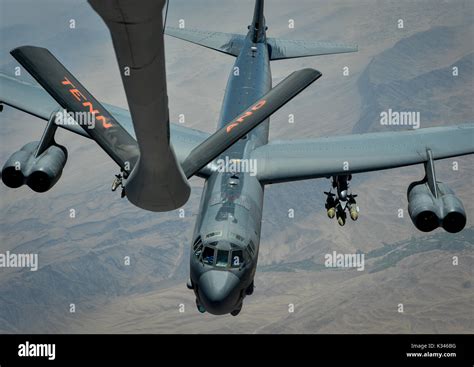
(20,49)
(315,74)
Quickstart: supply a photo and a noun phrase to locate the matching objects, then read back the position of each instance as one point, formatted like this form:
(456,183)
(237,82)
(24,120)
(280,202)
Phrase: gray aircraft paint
(230,206)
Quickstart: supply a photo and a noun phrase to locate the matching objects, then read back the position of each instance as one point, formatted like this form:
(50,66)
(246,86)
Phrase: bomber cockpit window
(198,250)
(237,259)
(251,248)
(222,259)
(197,247)
(208,255)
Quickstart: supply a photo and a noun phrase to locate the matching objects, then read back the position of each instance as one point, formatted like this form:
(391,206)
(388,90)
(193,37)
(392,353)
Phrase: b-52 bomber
(157,158)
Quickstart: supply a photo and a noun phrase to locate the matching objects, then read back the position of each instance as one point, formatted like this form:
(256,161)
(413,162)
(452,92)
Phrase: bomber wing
(284,161)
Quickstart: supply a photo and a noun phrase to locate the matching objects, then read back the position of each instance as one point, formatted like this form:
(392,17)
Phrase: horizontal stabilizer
(227,43)
(288,49)
(74,98)
(222,139)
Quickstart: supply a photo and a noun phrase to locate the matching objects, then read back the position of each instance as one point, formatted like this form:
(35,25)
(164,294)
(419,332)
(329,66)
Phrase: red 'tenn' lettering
(80,97)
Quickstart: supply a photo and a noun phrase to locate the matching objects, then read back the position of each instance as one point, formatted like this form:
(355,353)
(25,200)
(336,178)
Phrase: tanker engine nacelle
(39,171)
(429,211)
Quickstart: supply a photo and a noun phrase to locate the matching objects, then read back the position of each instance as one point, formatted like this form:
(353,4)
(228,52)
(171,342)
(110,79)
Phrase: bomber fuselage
(226,238)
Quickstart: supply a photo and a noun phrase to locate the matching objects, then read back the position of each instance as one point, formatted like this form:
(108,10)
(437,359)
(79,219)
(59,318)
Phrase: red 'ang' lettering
(246,114)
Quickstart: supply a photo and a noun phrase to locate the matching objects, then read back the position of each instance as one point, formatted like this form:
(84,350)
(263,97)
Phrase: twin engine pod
(428,211)
(39,172)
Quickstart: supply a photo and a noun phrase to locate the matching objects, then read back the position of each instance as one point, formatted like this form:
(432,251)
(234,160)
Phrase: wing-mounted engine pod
(47,168)
(454,215)
(16,168)
(423,207)
(429,212)
(432,204)
(39,164)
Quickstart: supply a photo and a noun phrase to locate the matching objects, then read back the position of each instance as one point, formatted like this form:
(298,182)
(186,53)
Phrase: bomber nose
(218,291)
